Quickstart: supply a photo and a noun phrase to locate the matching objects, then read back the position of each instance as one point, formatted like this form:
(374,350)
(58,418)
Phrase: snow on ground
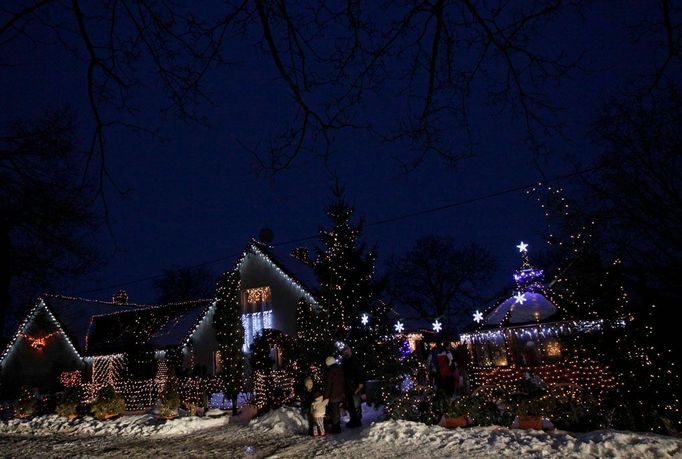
(277,435)
(141,425)
(286,420)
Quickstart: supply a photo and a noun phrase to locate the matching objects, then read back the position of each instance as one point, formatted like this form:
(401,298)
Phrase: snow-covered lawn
(279,434)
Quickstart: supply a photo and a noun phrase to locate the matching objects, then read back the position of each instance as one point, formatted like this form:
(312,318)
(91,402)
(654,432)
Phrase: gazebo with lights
(531,333)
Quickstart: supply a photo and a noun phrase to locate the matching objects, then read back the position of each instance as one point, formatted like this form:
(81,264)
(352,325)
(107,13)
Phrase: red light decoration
(39,343)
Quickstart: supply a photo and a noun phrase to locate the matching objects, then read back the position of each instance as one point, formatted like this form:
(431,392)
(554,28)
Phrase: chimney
(120,297)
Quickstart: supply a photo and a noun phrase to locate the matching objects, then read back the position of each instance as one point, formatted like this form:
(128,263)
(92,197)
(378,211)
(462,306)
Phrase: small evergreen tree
(229,330)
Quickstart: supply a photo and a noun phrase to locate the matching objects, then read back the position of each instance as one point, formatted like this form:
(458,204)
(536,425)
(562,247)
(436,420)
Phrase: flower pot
(451,423)
(22,416)
(104,417)
(166,418)
(71,417)
(530,422)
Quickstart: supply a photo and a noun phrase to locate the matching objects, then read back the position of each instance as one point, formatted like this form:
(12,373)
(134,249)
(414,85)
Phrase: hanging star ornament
(520,298)
(523,247)
(364,319)
(437,326)
(478,316)
(399,327)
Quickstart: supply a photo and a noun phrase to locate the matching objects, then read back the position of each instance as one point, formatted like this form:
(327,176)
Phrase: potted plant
(456,414)
(68,405)
(25,405)
(170,400)
(532,402)
(108,404)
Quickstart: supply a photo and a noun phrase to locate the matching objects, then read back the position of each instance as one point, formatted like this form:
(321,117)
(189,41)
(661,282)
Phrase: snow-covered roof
(165,325)
(75,314)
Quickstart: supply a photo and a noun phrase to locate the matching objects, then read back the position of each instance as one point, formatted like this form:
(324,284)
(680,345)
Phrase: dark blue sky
(194,197)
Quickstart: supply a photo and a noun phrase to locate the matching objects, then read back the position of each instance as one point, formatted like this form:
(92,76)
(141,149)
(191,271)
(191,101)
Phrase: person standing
(334,392)
(318,408)
(307,398)
(355,383)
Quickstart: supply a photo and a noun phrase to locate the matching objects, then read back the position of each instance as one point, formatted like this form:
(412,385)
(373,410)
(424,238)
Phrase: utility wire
(374,223)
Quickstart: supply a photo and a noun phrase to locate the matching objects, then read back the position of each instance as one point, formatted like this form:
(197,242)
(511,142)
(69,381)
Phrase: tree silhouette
(437,279)
(47,217)
(184,284)
(331,59)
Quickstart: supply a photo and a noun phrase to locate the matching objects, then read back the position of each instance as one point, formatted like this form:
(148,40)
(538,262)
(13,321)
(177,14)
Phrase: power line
(374,223)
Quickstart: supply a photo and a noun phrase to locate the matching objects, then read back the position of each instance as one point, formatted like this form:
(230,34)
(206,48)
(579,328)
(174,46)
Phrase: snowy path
(274,436)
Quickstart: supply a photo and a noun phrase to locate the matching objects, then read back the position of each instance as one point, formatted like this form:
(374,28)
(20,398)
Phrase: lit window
(256,313)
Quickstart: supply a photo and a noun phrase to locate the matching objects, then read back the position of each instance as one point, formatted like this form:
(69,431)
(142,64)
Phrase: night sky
(194,197)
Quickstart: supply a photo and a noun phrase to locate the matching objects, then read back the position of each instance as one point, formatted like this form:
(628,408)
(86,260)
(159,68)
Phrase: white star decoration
(364,319)
(437,326)
(520,298)
(523,247)
(478,316)
(399,327)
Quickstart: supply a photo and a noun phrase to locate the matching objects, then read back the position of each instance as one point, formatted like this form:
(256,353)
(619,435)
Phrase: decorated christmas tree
(313,339)
(603,286)
(344,268)
(229,331)
(351,312)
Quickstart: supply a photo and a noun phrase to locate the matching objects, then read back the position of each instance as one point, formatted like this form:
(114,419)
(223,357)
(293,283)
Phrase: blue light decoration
(437,326)
(405,349)
(525,275)
(399,327)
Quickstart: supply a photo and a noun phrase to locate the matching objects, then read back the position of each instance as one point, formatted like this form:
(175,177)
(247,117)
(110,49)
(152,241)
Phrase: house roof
(299,272)
(101,327)
(160,326)
(535,308)
(40,306)
(75,314)
(98,327)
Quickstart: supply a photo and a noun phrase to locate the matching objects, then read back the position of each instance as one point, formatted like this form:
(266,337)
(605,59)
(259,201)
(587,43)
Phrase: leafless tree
(332,58)
(47,215)
(437,279)
(185,284)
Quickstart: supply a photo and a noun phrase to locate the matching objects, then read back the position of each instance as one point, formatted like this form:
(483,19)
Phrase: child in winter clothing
(307,398)
(319,407)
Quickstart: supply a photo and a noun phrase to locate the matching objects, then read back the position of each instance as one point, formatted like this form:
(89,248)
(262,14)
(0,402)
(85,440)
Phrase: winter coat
(335,387)
(444,360)
(352,373)
(319,407)
(307,400)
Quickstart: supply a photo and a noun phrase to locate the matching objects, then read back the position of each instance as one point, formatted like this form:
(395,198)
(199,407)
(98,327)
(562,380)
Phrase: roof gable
(293,270)
(30,317)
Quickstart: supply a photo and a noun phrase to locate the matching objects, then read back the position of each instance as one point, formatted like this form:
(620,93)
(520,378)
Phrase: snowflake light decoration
(520,298)
(364,319)
(437,326)
(478,316)
(399,327)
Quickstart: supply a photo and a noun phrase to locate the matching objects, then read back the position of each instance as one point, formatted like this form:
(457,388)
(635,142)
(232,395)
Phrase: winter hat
(329,361)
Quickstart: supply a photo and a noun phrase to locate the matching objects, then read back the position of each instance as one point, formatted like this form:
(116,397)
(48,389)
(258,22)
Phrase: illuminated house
(132,345)
(530,332)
